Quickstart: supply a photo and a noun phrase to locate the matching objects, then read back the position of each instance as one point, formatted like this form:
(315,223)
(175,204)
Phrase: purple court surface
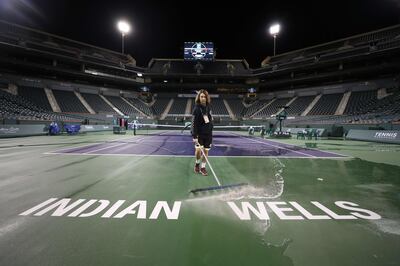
(175,144)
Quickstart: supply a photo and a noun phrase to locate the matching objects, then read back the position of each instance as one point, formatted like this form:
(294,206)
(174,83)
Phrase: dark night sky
(238,31)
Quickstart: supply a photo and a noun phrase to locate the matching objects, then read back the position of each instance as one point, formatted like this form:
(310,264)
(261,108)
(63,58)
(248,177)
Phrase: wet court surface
(224,144)
(102,199)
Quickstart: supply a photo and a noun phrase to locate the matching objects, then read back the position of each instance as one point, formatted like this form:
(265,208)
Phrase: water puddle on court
(214,203)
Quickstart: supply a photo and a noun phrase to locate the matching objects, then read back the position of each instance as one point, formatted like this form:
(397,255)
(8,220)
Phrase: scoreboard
(203,51)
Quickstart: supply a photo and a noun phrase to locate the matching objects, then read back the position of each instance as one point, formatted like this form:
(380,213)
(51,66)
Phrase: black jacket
(199,127)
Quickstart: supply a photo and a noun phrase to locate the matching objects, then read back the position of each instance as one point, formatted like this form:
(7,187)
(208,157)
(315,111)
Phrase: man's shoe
(203,171)
(197,168)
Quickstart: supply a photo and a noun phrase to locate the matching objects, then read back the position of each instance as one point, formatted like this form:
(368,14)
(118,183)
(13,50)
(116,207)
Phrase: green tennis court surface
(114,208)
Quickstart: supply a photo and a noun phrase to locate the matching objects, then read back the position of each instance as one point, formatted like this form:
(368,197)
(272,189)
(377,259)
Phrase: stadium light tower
(274,31)
(124,28)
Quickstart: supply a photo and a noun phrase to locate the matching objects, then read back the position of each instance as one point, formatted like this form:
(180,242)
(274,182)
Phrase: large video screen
(199,51)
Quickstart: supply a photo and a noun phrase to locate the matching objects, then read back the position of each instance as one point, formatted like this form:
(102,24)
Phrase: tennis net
(181,130)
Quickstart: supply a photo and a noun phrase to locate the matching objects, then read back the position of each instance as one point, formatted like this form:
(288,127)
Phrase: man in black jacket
(202,130)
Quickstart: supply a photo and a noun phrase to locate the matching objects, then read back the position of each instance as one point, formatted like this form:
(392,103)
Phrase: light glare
(274,29)
(124,27)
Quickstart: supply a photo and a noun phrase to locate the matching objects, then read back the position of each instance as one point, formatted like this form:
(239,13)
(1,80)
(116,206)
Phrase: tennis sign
(388,136)
(245,210)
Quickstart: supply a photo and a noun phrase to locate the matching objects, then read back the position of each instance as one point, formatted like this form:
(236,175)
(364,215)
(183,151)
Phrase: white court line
(113,146)
(191,156)
(138,141)
(158,141)
(297,146)
(265,143)
(15,147)
(92,144)
(162,133)
(104,148)
(127,140)
(124,141)
(306,147)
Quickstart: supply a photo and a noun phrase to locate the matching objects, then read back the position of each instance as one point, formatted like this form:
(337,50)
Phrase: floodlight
(274,29)
(124,27)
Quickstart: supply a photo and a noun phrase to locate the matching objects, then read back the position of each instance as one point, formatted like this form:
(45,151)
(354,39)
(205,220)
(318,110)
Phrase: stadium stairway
(382,93)
(52,100)
(13,89)
(137,109)
(153,101)
(343,103)
(188,109)
(166,111)
(84,102)
(111,105)
(314,102)
(288,104)
(262,108)
(231,114)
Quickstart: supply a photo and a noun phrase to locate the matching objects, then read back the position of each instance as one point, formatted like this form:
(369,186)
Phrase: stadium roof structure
(27,51)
